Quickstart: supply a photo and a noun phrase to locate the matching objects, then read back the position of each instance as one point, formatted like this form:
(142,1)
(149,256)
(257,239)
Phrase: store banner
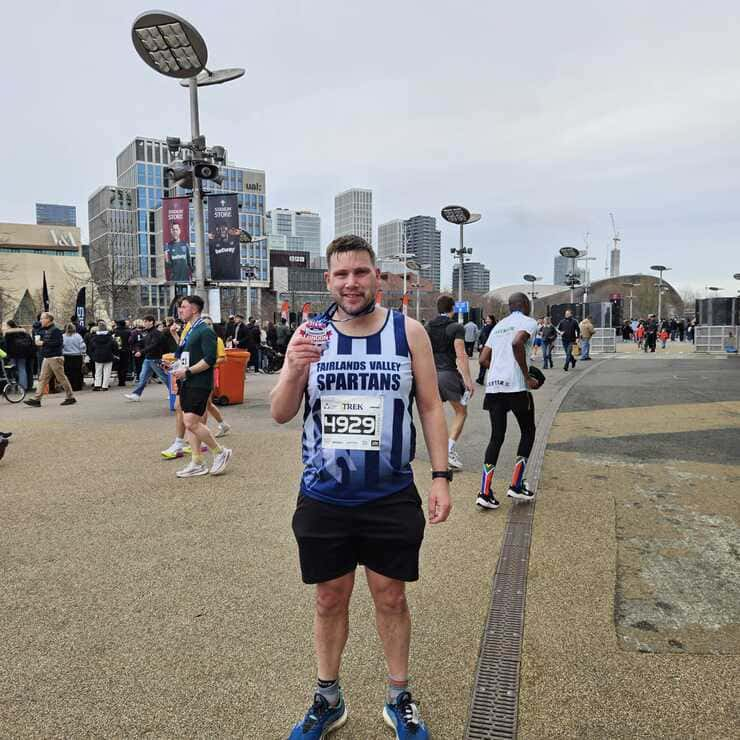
(178,266)
(80,310)
(223,238)
(305,312)
(285,311)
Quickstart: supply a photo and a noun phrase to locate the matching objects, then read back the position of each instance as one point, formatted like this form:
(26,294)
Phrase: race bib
(351,422)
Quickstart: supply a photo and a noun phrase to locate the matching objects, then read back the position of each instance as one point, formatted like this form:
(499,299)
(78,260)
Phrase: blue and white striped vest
(372,374)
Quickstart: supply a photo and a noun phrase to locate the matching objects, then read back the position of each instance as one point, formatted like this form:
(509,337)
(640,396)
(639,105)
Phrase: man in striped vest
(358,370)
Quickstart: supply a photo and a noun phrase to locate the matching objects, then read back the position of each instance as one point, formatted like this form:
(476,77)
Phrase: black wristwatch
(188,374)
(442,474)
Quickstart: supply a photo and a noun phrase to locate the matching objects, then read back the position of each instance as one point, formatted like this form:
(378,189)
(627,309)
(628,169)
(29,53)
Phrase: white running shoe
(223,429)
(221,461)
(192,469)
(174,451)
(453,459)
(132,397)
(523,494)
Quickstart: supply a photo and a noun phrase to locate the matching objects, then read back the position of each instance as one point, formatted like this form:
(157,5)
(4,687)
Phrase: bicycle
(13,391)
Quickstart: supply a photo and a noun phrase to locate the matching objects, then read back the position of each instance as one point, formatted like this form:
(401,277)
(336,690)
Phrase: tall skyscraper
(353,213)
(425,241)
(476,278)
(390,243)
(301,230)
(54,214)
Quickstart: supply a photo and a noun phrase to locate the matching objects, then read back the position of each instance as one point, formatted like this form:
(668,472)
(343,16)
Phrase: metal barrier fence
(604,341)
(714,338)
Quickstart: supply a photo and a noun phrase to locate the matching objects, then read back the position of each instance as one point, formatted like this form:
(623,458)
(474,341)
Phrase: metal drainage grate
(493,709)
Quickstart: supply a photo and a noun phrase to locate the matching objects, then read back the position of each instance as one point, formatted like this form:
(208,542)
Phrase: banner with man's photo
(223,237)
(178,266)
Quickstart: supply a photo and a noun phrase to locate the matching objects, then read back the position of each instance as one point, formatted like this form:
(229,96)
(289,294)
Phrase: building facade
(353,213)
(476,278)
(425,242)
(391,236)
(301,230)
(54,214)
(125,222)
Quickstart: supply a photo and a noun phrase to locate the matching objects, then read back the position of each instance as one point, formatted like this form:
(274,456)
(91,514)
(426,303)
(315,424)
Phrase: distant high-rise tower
(425,242)
(353,213)
(390,244)
(614,257)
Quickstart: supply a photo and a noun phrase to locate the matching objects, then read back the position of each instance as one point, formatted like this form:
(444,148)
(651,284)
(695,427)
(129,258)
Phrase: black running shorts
(384,535)
(193,400)
(451,386)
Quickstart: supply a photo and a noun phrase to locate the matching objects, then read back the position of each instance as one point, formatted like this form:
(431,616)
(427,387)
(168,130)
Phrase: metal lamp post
(571,253)
(532,279)
(175,48)
(660,269)
(631,295)
(414,265)
(461,216)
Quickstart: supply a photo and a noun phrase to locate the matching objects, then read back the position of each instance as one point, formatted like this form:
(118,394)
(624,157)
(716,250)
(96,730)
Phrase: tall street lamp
(532,279)
(461,216)
(660,269)
(572,254)
(416,267)
(631,295)
(175,48)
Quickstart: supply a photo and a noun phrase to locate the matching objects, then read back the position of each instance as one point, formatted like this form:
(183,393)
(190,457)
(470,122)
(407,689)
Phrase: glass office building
(140,175)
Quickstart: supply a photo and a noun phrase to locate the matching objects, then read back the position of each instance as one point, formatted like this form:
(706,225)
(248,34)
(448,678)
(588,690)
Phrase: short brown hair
(348,243)
(445,304)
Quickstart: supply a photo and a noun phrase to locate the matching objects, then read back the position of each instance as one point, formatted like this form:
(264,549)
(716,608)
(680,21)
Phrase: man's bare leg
(331,624)
(393,620)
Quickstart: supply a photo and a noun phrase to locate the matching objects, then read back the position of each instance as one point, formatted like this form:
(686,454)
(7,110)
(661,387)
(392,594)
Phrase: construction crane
(615,254)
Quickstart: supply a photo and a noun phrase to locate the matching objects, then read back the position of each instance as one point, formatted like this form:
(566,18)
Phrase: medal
(317,332)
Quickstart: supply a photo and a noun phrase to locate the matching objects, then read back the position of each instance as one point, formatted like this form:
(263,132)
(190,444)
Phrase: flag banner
(305,311)
(405,304)
(378,297)
(45,294)
(285,311)
(80,309)
(223,237)
(178,266)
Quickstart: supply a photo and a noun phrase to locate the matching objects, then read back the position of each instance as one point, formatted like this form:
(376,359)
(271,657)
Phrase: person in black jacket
(21,349)
(50,341)
(482,339)
(121,336)
(569,332)
(154,344)
(101,348)
(549,335)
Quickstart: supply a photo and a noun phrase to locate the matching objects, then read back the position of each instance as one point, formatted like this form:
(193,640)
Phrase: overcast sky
(542,116)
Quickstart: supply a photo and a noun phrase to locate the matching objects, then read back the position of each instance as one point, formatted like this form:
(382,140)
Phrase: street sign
(462,307)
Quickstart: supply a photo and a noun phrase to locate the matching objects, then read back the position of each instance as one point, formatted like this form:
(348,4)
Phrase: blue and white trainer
(403,717)
(320,719)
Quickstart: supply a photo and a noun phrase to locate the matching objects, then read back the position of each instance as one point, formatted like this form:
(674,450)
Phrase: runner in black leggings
(507,389)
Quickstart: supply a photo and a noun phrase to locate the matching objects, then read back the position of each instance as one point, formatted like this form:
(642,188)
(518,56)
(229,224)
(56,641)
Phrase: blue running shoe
(403,717)
(321,719)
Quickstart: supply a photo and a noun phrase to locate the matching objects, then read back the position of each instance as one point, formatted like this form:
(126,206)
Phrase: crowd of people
(647,332)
